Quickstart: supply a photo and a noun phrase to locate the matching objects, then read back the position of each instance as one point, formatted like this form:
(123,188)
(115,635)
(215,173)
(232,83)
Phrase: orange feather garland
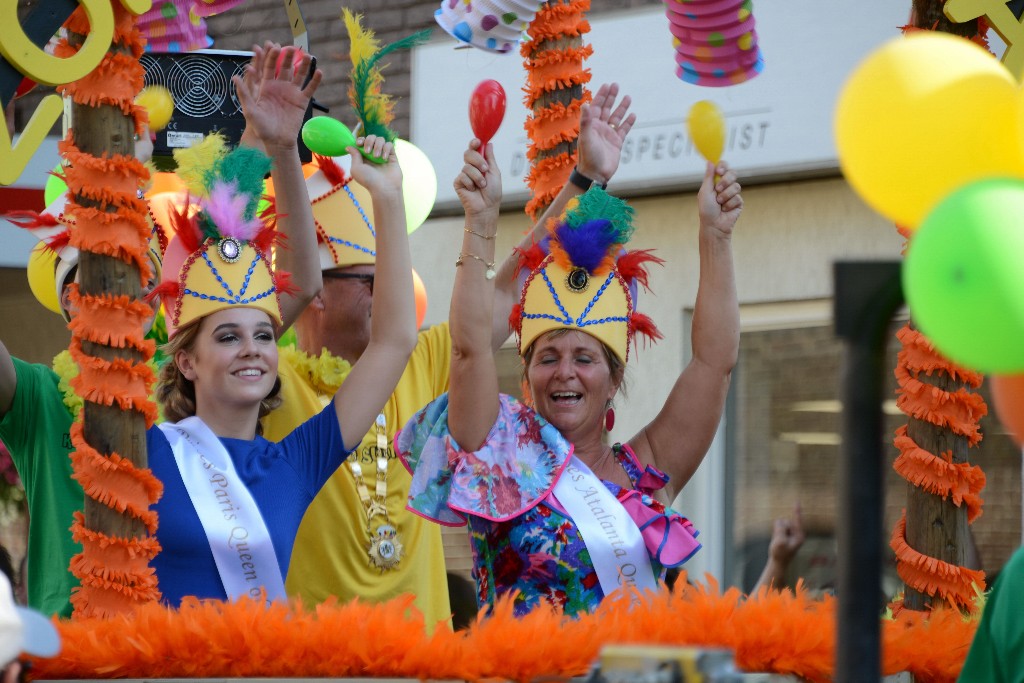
(114,572)
(960,412)
(553,65)
(937,474)
(770,631)
(115,321)
(932,576)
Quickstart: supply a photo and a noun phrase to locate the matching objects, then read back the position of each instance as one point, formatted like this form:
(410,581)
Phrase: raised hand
(719,200)
(603,128)
(787,537)
(376,177)
(479,183)
(272,95)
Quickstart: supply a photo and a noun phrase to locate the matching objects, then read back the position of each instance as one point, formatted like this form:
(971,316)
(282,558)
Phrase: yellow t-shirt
(330,553)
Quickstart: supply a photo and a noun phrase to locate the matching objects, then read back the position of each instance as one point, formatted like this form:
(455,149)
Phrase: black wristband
(581,181)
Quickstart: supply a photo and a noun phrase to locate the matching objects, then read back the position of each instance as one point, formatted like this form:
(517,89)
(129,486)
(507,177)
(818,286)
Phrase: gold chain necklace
(385,550)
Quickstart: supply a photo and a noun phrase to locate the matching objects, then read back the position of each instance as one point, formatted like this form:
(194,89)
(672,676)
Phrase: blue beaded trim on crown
(353,245)
(359,208)
(231,297)
(581,321)
(236,300)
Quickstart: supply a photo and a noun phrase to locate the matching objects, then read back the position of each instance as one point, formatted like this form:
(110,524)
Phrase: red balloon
(486,110)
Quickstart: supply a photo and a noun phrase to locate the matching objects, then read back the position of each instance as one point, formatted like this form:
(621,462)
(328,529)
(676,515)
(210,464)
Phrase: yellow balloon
(41,272)
(158,102)
(707,129)
(922,116)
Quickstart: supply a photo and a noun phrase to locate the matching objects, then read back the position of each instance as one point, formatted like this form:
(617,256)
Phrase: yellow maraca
(158,102)
(707,130)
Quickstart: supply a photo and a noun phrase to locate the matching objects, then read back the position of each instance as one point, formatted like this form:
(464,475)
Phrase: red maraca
(486,110)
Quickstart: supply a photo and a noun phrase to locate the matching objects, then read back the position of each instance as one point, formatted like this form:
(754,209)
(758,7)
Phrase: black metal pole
(867,295)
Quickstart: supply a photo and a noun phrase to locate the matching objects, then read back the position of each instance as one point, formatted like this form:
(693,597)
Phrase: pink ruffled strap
(670,538)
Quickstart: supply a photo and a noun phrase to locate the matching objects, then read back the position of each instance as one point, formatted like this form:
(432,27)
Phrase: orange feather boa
(782,632)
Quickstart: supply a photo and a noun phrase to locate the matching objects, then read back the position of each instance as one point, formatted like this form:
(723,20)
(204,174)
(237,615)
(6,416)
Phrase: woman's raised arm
(393,312)
(473,397)
(679,437)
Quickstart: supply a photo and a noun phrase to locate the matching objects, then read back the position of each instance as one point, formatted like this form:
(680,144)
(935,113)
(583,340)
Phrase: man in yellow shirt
(357,540)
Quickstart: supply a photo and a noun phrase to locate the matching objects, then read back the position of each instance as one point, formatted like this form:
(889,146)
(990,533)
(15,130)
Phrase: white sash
(612,538)
(234,527)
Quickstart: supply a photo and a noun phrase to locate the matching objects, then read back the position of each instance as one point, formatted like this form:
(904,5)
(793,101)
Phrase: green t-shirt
(35,431)
(997,651)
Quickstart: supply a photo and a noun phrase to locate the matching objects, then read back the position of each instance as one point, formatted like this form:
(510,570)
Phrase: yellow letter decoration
(14,158)
(1001,19)
(137,7)
(34,62)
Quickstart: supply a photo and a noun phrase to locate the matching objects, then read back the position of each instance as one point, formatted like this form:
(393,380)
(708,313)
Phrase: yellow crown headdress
(343,213)
(342,208)
(580,277)
(221,254)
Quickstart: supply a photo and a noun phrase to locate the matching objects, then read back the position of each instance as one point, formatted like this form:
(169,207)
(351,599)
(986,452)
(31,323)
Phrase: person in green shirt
(997,651)
(37,407)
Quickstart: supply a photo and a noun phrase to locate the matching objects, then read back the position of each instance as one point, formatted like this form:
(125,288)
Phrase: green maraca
(331,138)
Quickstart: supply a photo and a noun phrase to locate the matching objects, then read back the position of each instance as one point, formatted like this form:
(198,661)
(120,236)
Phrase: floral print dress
(522,538)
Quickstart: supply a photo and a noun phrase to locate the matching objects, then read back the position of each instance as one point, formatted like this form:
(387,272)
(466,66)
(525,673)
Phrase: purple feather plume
(588,243)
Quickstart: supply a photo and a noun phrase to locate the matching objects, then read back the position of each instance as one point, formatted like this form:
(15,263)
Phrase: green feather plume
(247,167)
(373,107)
(596,203)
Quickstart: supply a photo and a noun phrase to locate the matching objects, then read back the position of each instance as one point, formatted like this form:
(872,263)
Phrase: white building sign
(779,124)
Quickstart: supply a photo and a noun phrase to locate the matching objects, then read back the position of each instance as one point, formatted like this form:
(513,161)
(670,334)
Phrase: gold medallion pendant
(385,548)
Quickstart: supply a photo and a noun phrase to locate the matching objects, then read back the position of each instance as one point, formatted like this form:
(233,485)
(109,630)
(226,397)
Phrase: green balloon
(963,277)
(55,185)
(327,136)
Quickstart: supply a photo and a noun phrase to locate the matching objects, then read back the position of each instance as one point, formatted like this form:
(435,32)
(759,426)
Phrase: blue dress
(283,479)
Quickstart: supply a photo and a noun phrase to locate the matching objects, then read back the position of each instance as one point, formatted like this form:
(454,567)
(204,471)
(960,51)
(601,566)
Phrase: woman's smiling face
(233,361)
(571,382)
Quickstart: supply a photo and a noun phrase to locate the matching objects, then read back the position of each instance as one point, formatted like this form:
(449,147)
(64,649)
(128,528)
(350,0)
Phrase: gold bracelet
(479,234)
(489,274)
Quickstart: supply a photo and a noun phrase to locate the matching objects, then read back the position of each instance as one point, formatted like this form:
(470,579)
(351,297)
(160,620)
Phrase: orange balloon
(1008,396)
(165,182)
(420,292)
(160,205)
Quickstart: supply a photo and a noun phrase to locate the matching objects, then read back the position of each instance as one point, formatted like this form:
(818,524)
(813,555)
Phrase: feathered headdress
(343,213)
(221,254)
(371,104)
(581,277)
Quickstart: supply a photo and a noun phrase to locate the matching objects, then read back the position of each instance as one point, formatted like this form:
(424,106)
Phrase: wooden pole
(115,529)
(937,527)
(556,38)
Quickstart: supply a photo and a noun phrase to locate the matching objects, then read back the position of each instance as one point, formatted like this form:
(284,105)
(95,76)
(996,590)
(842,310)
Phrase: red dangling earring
(609,419)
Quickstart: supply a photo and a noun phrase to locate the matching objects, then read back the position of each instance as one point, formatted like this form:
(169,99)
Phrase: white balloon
(419,183)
